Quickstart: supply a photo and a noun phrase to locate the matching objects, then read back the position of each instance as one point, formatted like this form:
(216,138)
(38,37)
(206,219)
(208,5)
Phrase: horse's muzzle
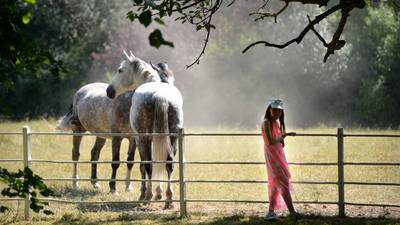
(110,91)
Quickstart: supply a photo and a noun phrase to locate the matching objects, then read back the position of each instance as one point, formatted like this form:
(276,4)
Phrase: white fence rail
(182,180)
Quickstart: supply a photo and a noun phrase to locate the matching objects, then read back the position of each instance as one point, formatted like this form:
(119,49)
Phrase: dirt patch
(230,209)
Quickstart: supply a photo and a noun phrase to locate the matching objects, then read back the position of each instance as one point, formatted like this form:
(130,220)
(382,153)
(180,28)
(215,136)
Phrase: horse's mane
(140,66)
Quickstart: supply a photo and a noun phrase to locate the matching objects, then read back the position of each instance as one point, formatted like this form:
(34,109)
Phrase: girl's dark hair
(281,118)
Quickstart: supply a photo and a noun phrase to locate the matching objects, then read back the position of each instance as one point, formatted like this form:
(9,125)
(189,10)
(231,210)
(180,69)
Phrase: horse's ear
(163,66)
(132,55)
(127,56)
(155,67)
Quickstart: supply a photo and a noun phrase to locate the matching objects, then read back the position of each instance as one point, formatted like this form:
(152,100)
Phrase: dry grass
(298,149)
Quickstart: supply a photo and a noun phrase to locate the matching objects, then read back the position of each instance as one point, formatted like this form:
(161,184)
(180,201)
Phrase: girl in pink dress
(279,184)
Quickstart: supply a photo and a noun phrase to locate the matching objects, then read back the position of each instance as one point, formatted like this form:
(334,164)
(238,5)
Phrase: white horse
(156,108)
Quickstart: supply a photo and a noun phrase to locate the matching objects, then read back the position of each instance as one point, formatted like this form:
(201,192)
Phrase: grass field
(298,149)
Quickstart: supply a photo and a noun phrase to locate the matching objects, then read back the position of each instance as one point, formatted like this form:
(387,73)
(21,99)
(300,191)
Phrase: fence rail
(182,179)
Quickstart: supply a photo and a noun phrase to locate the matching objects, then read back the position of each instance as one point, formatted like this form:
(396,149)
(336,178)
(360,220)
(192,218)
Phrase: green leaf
(156,39)
(31,1)
(159,20)
(3,209)
(27,18)
(209,26)
(150,3)
(145,18)
(46,61)
(138,2)
(162,13)
(131,16)
(48,212)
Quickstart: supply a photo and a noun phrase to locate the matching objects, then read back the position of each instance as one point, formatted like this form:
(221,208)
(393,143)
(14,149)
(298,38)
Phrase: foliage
(73,31)
(377,84)
(17,51)
(356,87)
(25,183)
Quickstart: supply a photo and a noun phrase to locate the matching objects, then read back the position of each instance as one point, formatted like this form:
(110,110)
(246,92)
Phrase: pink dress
(277,168)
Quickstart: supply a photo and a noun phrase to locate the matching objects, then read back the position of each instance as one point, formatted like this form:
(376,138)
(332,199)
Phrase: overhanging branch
(299,38)
(344,5)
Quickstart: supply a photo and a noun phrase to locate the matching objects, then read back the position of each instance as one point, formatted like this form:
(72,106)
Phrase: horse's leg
(116,144)
(131,157)
(143,156)
(98,145)
(145,144)
(170,167)
(169,204)
(76,141)
(143,183)
(158,192)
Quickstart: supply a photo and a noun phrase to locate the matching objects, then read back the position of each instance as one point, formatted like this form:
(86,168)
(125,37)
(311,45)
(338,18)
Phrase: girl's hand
(290,134)
(284,135)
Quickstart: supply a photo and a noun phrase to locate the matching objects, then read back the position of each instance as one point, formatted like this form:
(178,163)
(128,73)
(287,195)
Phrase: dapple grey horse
(93,111)
(156,107)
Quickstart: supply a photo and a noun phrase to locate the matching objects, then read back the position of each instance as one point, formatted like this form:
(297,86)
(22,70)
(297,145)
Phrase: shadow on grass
(115,207)
(123,218)
(80,193)
(172,219)
(303,220)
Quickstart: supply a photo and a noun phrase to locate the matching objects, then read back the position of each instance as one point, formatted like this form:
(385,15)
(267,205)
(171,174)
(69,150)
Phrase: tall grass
(298,149)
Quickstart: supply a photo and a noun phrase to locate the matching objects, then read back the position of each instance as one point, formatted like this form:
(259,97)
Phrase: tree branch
(213,10)
(313,2)
(299,38)
(337,44)
(262,15)
(344,5)
(317,34)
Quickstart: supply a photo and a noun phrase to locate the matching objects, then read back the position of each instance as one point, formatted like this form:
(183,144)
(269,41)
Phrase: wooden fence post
(340,136)
(182,187)
(26,139)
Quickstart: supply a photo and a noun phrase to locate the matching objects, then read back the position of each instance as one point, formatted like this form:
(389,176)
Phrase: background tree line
(356,87)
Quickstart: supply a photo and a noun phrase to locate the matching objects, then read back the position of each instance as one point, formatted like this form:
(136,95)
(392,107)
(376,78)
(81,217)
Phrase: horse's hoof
(141,197)
(129,188)
(112,186)
(158,197)
(148,196)
(113,191)
(169,205)
(96,185)
(75,185)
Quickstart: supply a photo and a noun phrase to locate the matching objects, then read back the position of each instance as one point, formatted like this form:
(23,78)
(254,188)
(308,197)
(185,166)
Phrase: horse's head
(131,73)
(164,72)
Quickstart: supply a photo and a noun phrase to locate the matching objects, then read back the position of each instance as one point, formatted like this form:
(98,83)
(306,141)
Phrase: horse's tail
(161,144)
(67,122)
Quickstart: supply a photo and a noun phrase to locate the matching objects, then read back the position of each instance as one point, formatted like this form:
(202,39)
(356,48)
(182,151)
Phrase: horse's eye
(119,70)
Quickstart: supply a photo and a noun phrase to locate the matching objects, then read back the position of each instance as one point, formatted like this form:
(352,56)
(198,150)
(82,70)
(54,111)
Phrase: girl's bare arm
(267,130)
